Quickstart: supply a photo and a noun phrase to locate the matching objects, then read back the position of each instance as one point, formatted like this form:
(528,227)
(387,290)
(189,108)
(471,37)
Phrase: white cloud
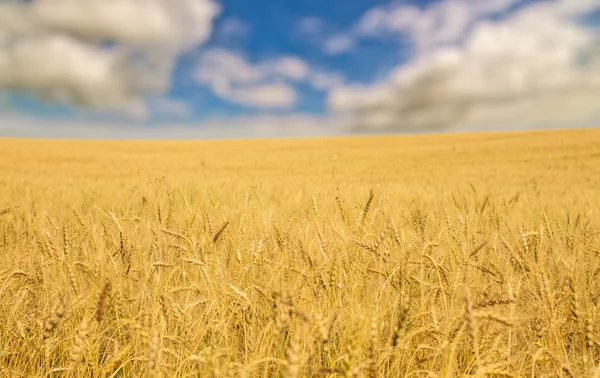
(348,97)
(320,34)
(233,28)
(325,80)
(168,107)
(264,84)
(174,23)
(14,21)
(58,49)
(310,26)
(65,69)
(220,66)
(293,68)
(267,95)
(524,68)
(261,125)
(440,23)
(233,78)
(338,44)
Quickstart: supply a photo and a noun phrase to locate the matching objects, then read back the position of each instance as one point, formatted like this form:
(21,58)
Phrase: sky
(187,69)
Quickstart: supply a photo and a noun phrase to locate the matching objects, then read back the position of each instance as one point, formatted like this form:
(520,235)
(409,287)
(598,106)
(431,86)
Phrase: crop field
(457,255)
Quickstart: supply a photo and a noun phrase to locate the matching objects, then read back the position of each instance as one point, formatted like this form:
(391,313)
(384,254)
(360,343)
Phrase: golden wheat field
(458,255)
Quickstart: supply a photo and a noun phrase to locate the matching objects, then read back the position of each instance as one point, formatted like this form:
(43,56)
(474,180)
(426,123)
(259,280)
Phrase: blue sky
(202,68)
(267,29)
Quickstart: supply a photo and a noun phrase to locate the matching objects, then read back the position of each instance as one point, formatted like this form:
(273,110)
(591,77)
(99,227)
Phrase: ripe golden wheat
(269,265)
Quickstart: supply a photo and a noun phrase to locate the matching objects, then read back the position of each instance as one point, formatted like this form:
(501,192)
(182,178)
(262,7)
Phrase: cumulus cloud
(536,65)
(265,84)
(440,23)
(103,54)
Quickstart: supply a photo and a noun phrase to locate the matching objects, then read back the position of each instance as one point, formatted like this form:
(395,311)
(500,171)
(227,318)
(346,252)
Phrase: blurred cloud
(538,65)
(338,44)
(320,34)
(264,95)
(102,54)
(440,23)
(233,28)
(267,84)
(293,125)
(463,64)
(289,67)
(325,80)
(169,108)
(310,26)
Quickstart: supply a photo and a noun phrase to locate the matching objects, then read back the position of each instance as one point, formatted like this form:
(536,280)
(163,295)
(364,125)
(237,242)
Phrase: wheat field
(458,255)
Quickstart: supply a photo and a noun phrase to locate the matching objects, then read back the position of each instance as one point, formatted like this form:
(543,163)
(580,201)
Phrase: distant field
(464,255)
